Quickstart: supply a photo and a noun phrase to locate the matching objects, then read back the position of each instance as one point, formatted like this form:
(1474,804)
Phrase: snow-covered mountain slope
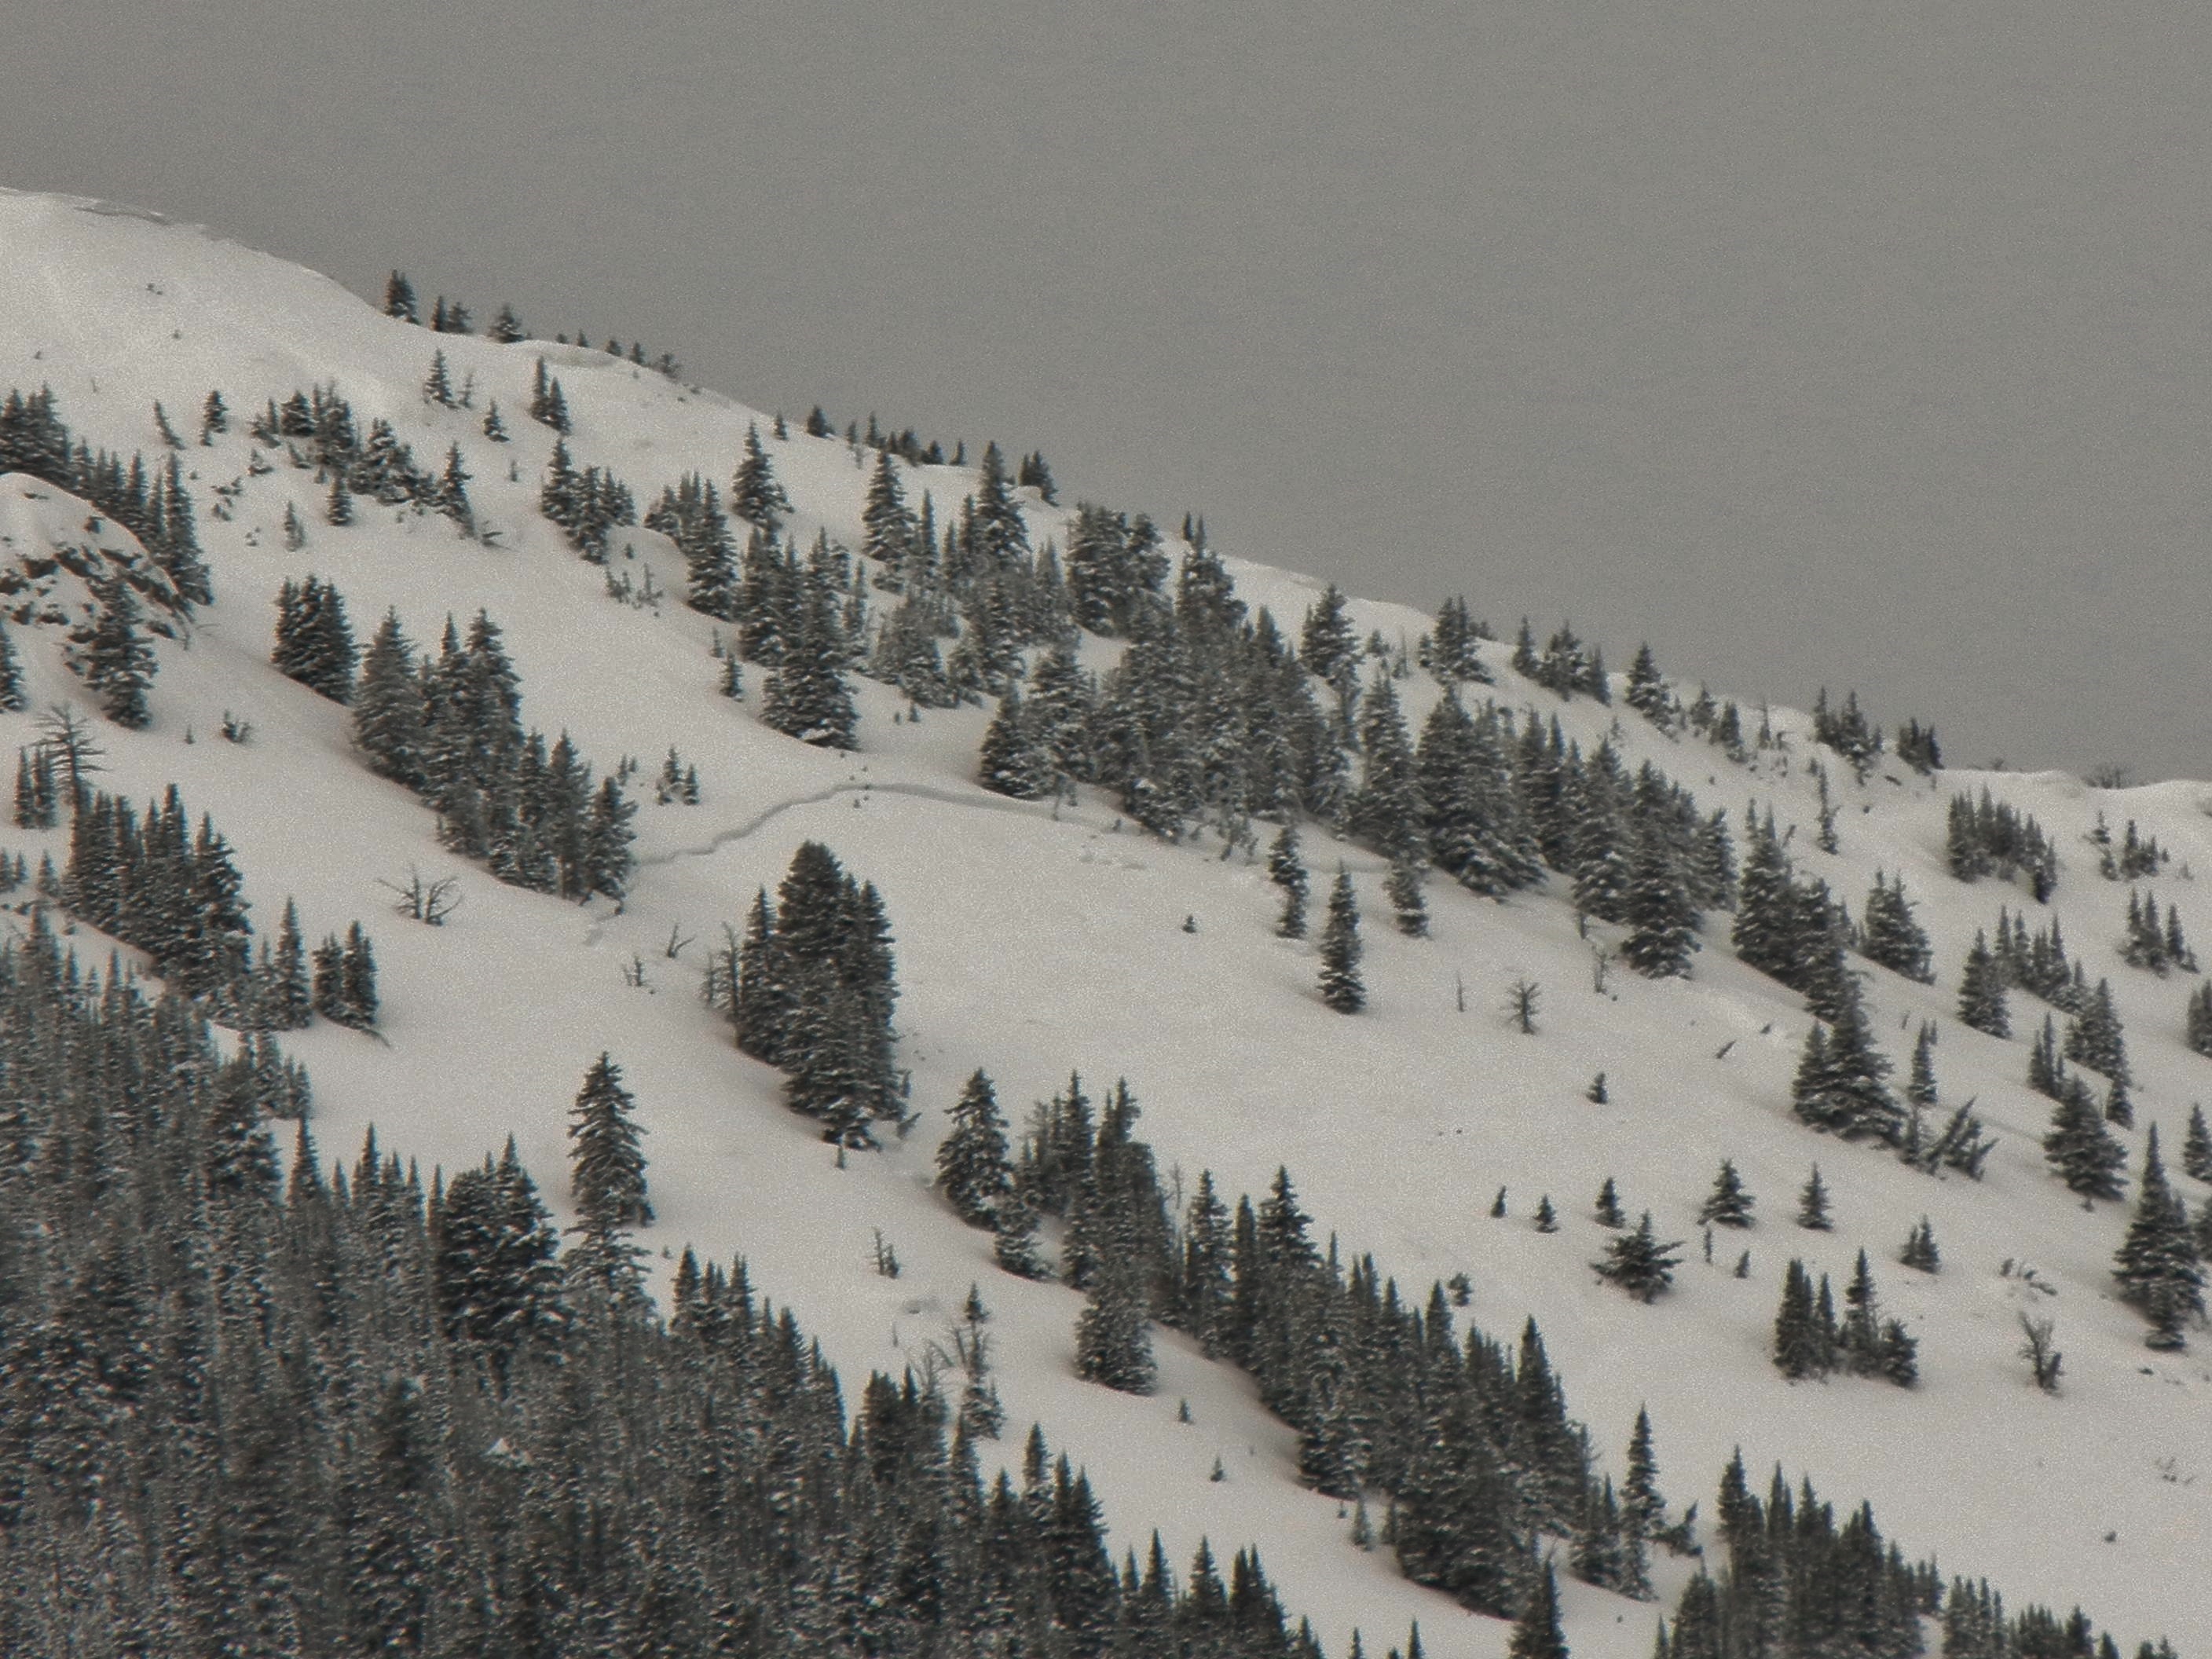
(1034,940)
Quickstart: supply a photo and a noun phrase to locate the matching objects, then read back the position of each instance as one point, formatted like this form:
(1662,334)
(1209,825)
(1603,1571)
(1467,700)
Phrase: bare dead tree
(421,899)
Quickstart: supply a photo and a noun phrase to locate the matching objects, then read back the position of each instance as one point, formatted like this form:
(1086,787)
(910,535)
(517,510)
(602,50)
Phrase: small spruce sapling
(1609,1206)
(1919,1252)
(1728,1205)
(1547,1219)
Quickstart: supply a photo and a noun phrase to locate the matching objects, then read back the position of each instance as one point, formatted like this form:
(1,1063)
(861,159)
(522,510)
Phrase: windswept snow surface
(1033,941)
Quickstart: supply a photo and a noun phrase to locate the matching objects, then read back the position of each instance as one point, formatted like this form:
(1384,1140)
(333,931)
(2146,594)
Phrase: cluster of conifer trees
(1986,837)
(589,505)
(450,728)
(1466,1439)
(154,883)
(811,988)
(333,1413)
(1811,1341)
(2147,944)
(2138,856)
(318,429)
(1469,1437)
(151,502)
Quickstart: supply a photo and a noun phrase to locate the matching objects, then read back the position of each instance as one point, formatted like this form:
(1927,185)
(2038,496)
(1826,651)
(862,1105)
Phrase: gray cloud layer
(1864,343)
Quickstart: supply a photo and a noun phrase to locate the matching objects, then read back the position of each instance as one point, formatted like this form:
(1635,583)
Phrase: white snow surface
(1032,942)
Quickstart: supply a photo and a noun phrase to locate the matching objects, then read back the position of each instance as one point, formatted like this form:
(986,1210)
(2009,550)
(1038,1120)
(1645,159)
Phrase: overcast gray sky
(1867,343)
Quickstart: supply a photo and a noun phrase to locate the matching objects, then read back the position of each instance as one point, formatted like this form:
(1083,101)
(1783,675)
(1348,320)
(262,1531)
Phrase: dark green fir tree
(1982,991)
(2080,1151)
(2157,1267)
(1812,1205)
(1661,921)
(1341,987)
(972,1165)
(1288,871)
(2197,1147)
(1536,1633)
(606,1160)
(1113,1336)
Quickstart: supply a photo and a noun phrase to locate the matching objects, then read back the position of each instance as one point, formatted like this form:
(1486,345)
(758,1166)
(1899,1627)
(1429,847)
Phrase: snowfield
(1032,941)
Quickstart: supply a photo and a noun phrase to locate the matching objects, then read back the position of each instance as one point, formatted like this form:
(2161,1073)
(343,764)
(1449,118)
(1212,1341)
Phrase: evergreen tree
(315,642)
(1728,1205)
(548,405)
(1642,1508)
(1328,643)
(1475,827)
(1920,1252)
(756,495)
(606,1164)
(286,1000)
(1813,1204)
(1607,1209)
(1388,811)
(116,661)
(1536,1633)
(1920,1088)
(807,696)
(451,498)
(1661,920)
(1452,657)
(1288,871)
(2080,1150)
(2095,1036)
(1840,1085)
(1893,937)
(1804,1339)
(1403,889)
(399,298)
(2197,1147)
(1113,1337)
(388,711)
(1638,1263)
(1981,991)
(1012,761)
(1340,985)
(1014,1246)
(972,1165)
(11,675)
(358,975)
(437,385)
(1647,692)
(2158,1266)
(2196,1029)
